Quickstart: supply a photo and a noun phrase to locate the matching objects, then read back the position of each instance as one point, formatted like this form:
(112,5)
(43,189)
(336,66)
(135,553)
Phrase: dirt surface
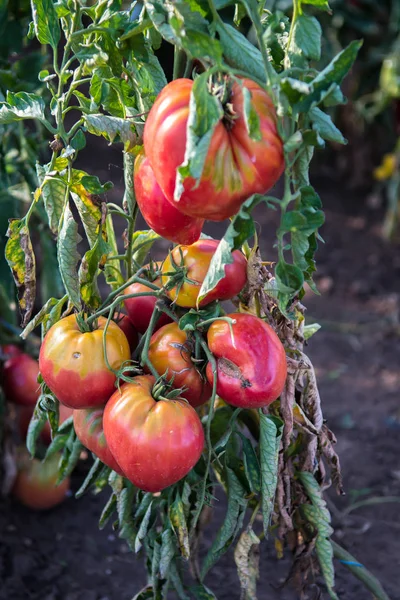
(61,555)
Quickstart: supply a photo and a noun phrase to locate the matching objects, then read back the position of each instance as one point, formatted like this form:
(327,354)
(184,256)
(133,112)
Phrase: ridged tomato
(196,260)
(88,425)
(155,443)
(72,362)
(251,361)
(170,351)
(159,214)
(235,167)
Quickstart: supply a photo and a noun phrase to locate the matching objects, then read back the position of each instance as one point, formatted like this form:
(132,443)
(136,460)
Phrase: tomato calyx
(178,276)
(163,390)
(85,326)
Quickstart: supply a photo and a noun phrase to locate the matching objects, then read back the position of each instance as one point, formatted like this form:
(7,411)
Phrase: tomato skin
(140,309)
(19,380)
(88,425)
(129,330)
(197,259)
(159,214)
(10,350)
(72,363)
(154,443)
(252,370)
(235,166)
(170,350)
(35,485)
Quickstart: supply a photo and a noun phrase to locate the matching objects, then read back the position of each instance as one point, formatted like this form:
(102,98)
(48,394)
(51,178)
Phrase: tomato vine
(105,68)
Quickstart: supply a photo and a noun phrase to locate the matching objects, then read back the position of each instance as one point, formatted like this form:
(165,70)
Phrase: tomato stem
(145,352)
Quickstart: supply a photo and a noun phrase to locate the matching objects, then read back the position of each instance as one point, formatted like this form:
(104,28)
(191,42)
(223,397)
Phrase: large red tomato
(35,485)
(88,424)
(20,373)
(155,443)
(129,330)
(141,308)
(236,166)
(251,363)
(72,363)
(196,259)
(170,351)
(159,214)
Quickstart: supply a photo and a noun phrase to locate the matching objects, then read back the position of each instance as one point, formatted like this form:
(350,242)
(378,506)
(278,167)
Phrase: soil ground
(61,555)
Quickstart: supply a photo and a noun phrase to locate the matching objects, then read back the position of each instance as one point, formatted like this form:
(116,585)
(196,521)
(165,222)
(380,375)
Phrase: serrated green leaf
(113,129)
(271,430)
(327,80)
(239,52)
(141,534)
(68,256)
(276,34)
(251,465)
(53,191)
(47,27)
(70,456)
(205,112)
(88,272)
(232,523)
(306,38)
(21,260)
(178,522)
(167,552)
(310,330)
(78,142)
(40,317)
(325,126)
(108,511)
(112,268)
(89,211)
(142,243)
(247,559)
(289,278)
(20,106)
(36,426)
(54,315)
(95,470)
(57,444)
(240,229)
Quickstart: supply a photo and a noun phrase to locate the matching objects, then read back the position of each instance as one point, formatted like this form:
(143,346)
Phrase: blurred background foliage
(370,118)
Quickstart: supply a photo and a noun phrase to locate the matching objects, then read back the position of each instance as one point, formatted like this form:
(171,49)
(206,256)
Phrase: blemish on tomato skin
(76,355)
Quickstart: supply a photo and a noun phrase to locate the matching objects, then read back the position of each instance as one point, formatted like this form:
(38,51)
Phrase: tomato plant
(193,262)
(73,365)
(249,101)
(172,354)
(36,483)
(156,441)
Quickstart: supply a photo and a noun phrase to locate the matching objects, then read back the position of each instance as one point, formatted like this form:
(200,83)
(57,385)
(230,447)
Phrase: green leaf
(205,112)
(70,456)
(54,315)
(112,268)
(112,129)
(251,117)
(78,142)
(21,260)
(57,444)
(251,465)
(159,16)
(167,552)
(306,38)
(141,534)
(247,559)
(93,260)
(88,206)
(68,256)
(270,438)
(142,243)
(288,277)
(328,78)
(96,469)
(275,37)
(53,193)
(318,515)
(323,4)
(325,126)
(21,105)
(239,52)
(108,511)
(47,27)
(40,317)
(240,229)
(178,522)
(233,521)
(310,330)
(201,592)
(36,426)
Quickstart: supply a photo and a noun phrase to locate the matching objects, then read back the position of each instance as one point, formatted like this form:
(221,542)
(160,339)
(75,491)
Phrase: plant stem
(117,301)
(179,63)
(145,352)
(130,207)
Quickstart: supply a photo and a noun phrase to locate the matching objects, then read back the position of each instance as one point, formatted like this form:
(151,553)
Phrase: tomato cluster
(148,429)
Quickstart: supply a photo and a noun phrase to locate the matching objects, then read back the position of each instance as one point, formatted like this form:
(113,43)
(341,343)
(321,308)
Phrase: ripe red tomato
(140,309)
(72,363)
(20,373)
(155,443)
(159,214)
(10,350)
(196,259)
(129,330)
(170,350)
(251,366)
(235,166)
(88,424)
(35,485)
